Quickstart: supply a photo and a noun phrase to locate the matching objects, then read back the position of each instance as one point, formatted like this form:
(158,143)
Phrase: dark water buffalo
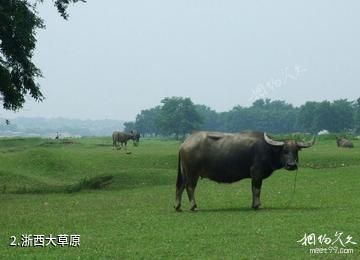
(122,138)
(136,137)
(227,158)
(342,142)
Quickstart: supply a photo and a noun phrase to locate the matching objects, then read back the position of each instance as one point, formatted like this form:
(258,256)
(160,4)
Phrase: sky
(111,59)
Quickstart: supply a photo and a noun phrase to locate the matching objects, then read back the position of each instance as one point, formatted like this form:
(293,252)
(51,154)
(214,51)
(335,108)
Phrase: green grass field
(44,189)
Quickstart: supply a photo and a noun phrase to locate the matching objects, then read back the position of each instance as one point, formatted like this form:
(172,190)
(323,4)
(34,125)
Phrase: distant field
(50,187)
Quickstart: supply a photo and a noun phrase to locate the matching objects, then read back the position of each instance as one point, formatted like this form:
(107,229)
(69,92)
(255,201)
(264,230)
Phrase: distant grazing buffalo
(227,158)
(122,138)
(342,142)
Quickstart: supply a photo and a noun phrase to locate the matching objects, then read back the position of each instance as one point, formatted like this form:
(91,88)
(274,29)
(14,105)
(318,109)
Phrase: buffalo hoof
(178,209)
(194,208)
(256,207)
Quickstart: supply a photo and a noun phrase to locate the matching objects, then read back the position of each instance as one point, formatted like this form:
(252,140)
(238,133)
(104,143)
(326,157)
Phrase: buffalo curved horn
(307,144)
(272,142)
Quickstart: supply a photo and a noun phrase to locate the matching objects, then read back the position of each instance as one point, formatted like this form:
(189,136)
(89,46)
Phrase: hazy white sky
(113,58)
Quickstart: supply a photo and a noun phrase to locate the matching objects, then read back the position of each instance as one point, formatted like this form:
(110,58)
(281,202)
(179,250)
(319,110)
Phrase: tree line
(178,116)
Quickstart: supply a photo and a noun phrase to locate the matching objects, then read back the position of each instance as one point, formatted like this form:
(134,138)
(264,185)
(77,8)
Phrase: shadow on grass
(94,183)
(265,209)
(13,150)
(57,142)
(225,209)
(106,145)
(97,182)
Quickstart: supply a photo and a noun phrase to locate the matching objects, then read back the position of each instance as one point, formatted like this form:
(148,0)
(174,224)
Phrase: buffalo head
(289,151)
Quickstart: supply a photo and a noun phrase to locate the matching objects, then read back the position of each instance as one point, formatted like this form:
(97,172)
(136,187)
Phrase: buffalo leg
(256,189)
(190,189)
(180,186)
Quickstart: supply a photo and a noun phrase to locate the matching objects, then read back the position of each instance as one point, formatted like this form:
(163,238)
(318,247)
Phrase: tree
(129,126)
(274,116)
(239,119)
(306,117)
(357,115)
(209,117)
(324,116)
(178,116)
(18,24)
(343,116)
(264,115)
(62,6)
(145,121)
